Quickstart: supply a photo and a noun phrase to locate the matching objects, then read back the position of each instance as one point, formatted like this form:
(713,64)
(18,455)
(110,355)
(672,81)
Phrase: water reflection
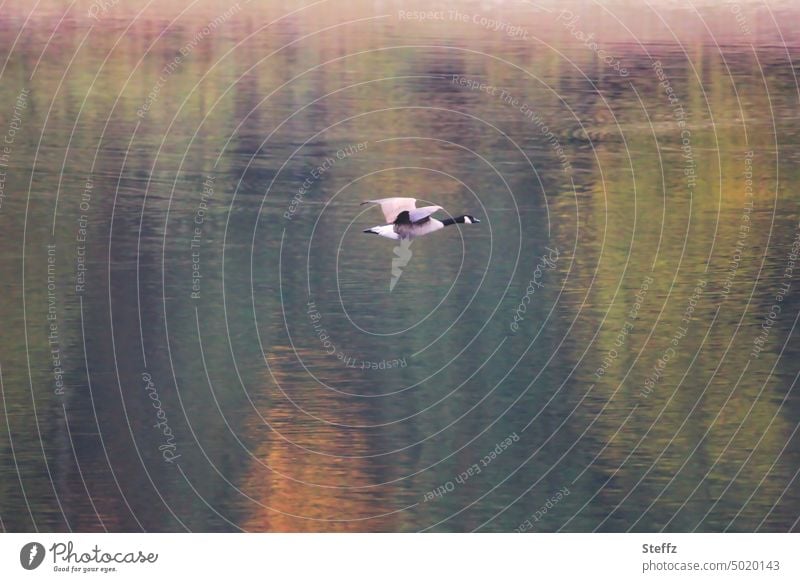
(227,281)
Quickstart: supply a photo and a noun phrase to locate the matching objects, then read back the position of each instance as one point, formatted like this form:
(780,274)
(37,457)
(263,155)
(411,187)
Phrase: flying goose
(406,221)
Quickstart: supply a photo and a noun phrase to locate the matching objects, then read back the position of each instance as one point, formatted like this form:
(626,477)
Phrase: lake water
(197,336)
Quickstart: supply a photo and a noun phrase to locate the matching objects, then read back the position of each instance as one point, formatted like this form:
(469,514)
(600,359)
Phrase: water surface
(197,336)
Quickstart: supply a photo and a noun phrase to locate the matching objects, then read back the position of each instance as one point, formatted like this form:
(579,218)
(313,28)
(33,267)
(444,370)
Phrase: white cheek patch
(467,220)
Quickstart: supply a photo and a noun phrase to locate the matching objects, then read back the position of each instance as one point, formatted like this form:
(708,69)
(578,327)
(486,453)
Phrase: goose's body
(406,221)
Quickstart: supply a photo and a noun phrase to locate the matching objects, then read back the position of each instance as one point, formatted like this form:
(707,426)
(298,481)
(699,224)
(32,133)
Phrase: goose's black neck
(449,221)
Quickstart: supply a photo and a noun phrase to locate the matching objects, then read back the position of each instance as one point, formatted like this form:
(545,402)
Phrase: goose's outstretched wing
(422,213)
(391,207)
